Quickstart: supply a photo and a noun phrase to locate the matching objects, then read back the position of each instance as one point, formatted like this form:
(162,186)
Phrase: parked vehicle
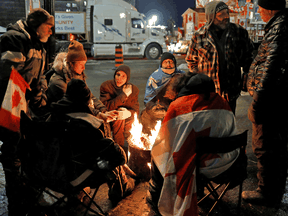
(117,22)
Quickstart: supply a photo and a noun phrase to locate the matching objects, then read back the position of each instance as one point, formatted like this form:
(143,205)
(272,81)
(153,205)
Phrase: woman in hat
(68,65)
(118,94)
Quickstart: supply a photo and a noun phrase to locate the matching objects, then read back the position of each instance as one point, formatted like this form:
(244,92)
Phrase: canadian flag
(14,101)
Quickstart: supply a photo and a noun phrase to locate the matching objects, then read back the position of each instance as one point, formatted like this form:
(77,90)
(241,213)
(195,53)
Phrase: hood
(198,84)
(59,61)
(211,9)
(21,26)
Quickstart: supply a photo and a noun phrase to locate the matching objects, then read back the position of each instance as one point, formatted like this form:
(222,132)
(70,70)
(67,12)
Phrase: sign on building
(69,23)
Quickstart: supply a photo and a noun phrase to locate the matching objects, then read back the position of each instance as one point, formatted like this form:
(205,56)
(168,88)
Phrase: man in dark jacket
(219,49)
(118,94)
(268,85)
(22,49)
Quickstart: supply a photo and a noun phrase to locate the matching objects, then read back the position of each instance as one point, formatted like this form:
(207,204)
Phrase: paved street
(99,71)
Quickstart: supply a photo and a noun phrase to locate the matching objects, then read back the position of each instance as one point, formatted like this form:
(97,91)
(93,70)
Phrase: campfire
(140,146)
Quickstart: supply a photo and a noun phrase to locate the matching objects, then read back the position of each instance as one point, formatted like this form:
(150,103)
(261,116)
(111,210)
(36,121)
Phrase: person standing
(22,49)
(268,85)
(118,94)
(219,49)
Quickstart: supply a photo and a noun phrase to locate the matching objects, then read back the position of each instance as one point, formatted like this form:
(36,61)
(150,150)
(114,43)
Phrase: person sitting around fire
(156,104)
(196,111)
(69,65)
(77,102)
(118,94)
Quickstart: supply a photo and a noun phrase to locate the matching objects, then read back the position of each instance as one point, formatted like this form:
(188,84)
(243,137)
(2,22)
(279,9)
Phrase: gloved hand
(127,89)
(123,113)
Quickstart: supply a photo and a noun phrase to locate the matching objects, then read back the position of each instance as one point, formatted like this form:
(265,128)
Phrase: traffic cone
(118,56)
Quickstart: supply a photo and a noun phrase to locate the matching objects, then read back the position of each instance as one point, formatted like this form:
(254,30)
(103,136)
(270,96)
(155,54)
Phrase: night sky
(164,9)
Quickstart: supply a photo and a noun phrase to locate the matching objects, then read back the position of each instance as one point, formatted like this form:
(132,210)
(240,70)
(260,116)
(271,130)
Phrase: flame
(141,140)
(149,165)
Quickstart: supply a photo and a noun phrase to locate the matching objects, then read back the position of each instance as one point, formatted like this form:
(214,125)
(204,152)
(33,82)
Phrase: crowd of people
(201,102)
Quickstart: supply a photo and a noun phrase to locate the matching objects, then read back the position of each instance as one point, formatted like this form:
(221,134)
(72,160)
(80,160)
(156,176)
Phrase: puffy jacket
(21,49)
(61,77)
(267,74)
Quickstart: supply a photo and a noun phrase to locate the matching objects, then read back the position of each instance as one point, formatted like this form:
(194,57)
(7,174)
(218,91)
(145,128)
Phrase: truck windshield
(137,23)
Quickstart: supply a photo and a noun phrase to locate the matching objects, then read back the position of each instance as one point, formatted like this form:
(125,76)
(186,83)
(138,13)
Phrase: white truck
(117,22)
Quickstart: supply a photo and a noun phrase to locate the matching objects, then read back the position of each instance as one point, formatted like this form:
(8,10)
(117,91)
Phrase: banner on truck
(69,23)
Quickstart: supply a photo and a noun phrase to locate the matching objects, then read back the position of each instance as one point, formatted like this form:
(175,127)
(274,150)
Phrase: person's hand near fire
(108,116)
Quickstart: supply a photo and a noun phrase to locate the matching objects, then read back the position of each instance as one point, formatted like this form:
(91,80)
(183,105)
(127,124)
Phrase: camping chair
(59,159)
(234,176)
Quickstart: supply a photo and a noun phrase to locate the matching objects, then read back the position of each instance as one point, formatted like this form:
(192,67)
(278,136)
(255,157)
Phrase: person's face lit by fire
(222,19)
(265,14)
(120,78)
(168,64)
(78,66)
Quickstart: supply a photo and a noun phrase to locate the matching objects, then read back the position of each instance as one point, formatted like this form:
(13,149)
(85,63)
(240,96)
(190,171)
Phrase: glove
(123,113)
(127,89)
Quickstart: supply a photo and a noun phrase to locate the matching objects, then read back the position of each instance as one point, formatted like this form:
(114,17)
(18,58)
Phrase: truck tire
(153,51)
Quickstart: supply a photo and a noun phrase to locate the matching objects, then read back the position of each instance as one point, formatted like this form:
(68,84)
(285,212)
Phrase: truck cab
(117,22)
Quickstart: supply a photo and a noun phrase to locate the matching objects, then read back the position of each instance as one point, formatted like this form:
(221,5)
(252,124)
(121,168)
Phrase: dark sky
(164,9)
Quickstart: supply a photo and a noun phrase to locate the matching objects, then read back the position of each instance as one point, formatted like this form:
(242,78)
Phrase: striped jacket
(21,49)
(202,57)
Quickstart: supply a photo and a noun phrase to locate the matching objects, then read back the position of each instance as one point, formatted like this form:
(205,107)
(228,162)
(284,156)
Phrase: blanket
(187,118)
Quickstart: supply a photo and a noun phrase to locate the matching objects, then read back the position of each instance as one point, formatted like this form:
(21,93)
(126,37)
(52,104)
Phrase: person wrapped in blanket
(77,102)
(197,111)
(156,104)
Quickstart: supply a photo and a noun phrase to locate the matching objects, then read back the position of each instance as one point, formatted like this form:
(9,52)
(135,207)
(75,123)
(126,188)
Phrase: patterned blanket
(187,118)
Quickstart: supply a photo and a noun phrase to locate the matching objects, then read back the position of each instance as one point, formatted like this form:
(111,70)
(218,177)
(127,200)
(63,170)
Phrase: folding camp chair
(58,160)
(234,176)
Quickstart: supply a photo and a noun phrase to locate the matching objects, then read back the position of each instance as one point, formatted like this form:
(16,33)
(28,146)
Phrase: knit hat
(125,69)
(76,52)
(212,8)
(167,55)
(198,83)
(38,16)
(77,91)
(272,4)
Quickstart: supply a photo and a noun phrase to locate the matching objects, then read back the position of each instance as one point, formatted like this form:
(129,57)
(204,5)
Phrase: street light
(152,21)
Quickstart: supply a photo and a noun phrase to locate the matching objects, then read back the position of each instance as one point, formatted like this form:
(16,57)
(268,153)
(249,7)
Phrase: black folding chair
(62,157)
(229,179)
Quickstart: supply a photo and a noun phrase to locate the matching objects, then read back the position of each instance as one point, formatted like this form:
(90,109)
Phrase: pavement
(135,204)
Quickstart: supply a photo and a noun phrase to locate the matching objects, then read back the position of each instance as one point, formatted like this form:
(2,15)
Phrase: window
(137,23)
(108,22)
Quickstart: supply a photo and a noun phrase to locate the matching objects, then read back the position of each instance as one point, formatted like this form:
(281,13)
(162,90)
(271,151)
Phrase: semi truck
(109,23)
(118,22)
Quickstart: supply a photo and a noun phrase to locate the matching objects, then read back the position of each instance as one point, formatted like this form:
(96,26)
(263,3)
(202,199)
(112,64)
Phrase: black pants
(269,143)
(155,183)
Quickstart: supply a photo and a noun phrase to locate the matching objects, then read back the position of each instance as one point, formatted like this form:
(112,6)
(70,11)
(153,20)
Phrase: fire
(141,140)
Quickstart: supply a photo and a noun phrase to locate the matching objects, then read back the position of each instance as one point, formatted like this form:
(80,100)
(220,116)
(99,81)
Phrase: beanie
(212,8)
(167,55)
(272,4)
(38,16)
(76,52)
(77,91)
(125,69)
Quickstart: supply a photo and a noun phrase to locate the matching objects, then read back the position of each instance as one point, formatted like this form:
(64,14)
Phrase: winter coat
(203,57)
(267,71)
(58,82)
(113,97)
(157,80)
(20,48)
